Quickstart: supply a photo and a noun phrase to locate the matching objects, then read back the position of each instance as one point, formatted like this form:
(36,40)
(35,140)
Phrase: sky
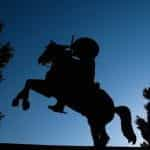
(121,28)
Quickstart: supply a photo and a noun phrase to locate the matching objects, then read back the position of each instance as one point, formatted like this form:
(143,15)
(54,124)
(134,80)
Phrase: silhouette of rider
(84,51)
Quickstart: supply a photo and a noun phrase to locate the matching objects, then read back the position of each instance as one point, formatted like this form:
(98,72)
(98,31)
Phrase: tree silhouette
(1,27)
(6,53)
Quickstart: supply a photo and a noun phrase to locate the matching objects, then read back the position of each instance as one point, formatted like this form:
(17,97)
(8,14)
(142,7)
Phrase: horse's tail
(126,123)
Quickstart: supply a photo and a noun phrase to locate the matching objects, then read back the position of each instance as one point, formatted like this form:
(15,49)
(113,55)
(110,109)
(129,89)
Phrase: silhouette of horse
(94,103)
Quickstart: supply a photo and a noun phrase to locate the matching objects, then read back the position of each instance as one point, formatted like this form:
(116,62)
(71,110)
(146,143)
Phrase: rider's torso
(71,74)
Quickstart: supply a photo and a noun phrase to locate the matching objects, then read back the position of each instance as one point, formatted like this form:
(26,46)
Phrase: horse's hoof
(53,108)
(25,105)
(15,102)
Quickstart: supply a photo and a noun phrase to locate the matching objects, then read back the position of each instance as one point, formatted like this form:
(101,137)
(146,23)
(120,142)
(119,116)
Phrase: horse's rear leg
(37,85)
(104,138)
(99,135)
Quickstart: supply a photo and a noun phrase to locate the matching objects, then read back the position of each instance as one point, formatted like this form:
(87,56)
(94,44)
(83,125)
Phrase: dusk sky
(122,30)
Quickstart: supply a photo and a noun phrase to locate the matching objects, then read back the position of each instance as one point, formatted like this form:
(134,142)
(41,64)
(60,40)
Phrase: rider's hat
(85,47)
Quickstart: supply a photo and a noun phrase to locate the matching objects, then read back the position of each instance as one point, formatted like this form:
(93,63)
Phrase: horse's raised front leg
(39,86)
(22,96)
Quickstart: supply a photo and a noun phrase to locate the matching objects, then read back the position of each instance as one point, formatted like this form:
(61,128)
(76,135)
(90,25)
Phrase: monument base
(4,146)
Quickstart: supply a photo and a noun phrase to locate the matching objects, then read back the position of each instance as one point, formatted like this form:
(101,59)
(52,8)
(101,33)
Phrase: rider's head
(85,48)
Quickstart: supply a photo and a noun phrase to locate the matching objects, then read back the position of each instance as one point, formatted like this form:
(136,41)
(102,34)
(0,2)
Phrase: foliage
(6,53)
(1,115)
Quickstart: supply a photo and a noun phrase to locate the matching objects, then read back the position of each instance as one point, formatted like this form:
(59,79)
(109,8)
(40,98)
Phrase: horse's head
(51,53)
(48,55)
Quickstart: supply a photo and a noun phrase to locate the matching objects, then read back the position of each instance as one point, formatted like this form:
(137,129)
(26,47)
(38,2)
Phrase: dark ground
(5,146)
